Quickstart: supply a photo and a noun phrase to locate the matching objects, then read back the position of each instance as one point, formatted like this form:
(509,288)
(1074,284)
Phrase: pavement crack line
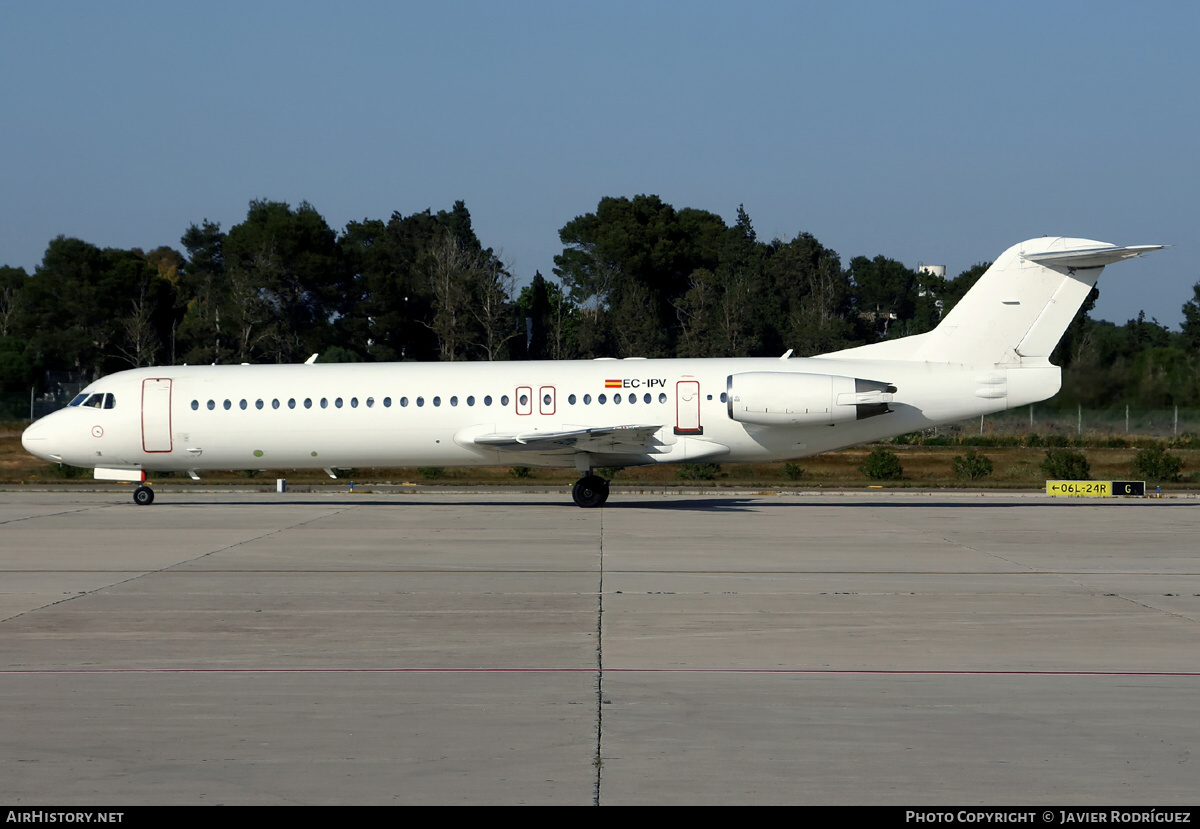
(143,574)
(598,760)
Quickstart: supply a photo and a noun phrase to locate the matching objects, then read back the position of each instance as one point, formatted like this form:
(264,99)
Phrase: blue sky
(935,132)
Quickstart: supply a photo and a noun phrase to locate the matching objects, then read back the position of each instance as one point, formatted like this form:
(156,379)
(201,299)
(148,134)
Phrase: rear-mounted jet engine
(775,398)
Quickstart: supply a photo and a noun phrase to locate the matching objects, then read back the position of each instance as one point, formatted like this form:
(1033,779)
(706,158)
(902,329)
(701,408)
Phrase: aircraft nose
(36,440)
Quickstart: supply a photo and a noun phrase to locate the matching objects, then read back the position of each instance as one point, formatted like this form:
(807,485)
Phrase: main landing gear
(590,491)
(143,496)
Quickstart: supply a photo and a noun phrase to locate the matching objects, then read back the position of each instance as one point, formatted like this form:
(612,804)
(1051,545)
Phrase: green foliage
(698,471)
(882,465)
(62,470)
(1156,464)
(972,466)
(1187,440)
(793,471)
(1066,465)
(430,473)
(520,472)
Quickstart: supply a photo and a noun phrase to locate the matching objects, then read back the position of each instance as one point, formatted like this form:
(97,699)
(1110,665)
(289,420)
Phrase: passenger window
(546,400)
(403,402)
(291,402)
(195,405)
(275,403)
(308,402)
(571,399)
(387,402)
(587,400)
(420,401)
(662,397)
(324,403)
(454,400)
(242,404)
(504,400)
(722,397)
(353,402)
(646,398)
(228,404)
(370,402)
(601,399)
(437,401)
(523,400)
(258,404)
(338,402)
(212,404)
(487,400)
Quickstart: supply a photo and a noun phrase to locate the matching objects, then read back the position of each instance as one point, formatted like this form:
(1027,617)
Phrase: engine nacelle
(780,398)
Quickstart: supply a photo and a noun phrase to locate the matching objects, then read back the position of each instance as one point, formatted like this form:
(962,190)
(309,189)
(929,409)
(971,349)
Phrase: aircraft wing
(595,439)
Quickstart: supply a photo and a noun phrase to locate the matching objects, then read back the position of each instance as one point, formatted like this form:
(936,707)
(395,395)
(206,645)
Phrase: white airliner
(990,353)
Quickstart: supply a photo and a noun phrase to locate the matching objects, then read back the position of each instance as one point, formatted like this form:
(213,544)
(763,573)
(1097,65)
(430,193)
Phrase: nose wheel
(143,496)
(590,491)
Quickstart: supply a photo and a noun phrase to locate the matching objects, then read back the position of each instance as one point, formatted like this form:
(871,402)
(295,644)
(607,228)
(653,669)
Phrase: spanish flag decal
(612,384)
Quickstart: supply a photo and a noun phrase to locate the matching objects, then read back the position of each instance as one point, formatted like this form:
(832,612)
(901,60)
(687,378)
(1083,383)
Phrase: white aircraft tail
(1018,310)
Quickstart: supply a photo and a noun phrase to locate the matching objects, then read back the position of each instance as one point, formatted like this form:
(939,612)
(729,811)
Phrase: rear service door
(687,408)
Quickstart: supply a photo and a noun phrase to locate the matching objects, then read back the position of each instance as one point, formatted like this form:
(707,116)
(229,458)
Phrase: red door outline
(156,415)
(687,408)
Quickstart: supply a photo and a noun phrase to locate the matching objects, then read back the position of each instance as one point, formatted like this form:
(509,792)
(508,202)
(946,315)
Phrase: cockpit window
(110,402)
(95,401)
(79,398)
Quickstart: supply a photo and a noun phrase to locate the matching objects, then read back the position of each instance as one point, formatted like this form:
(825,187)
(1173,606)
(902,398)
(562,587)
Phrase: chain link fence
(1078,422)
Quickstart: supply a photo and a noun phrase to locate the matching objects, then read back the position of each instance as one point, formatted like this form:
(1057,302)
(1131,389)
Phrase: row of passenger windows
(338,402)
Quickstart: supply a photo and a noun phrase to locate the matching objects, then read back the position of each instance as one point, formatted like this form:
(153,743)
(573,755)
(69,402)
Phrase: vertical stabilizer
(1018,310)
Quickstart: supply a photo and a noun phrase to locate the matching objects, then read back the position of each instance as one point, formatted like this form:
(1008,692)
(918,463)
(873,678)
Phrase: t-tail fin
(1018,310)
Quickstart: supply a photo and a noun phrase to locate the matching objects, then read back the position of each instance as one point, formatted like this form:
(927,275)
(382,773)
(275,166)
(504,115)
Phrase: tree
(293,260)
(630,261)
(808,298)
(1191,319)
(884,292)
(204,292)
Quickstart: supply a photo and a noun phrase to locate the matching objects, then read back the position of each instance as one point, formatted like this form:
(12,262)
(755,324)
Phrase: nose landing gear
(590,491)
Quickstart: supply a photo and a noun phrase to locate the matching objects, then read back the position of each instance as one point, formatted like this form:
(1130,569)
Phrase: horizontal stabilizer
(1096,257)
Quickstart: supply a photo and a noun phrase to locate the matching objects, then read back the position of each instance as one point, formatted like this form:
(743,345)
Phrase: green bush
(882,465)
(1066,465)
(430,472)
(519,472)
(1157,464)
(793,471)
(62,470)
(972,467)
(698,471)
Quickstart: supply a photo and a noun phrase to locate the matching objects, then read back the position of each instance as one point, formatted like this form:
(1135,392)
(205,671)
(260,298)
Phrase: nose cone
(36,440)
